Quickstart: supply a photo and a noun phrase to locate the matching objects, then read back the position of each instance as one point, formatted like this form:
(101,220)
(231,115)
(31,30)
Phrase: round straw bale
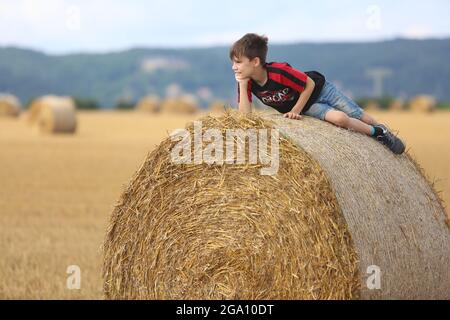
(35,108)
(9,105)
(150,103)
(217,106)
(422,104)
(53,114)
(397,105)
(38,104)
(339,205)
(186,104)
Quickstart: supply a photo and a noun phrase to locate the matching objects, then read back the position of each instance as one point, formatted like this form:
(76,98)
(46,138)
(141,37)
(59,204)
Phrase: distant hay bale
(397,105)
(57,119)
(217,106)
(9,105)
(422,104)
(53,114)
(151,104)
(36,106)
(184,105)
(340,207)
(372,106)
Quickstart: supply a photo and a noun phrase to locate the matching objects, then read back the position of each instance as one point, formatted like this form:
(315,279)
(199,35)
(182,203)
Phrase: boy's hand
(240,79)
(293,116)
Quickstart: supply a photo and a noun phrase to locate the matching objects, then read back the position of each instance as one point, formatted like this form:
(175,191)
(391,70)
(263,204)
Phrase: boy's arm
(304,96)
(245,105)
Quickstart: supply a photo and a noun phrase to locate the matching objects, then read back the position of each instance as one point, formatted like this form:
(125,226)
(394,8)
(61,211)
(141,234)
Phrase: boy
(294,93)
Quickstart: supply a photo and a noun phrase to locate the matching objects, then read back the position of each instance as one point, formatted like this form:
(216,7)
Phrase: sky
(68,26)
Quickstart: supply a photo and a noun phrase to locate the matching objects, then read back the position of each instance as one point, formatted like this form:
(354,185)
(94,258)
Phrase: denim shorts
(331,98)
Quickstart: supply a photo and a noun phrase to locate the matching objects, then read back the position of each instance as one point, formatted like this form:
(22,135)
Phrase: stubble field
(57,191)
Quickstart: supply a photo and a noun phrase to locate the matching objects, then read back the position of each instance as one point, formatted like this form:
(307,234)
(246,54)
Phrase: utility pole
(378,75)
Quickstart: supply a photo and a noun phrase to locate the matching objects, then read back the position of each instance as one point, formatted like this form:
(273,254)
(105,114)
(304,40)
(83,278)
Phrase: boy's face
(244,67)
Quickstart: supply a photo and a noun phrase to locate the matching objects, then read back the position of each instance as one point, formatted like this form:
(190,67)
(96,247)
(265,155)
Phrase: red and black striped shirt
(284,86)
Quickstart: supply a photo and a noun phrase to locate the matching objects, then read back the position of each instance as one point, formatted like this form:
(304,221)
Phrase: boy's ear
(256,62)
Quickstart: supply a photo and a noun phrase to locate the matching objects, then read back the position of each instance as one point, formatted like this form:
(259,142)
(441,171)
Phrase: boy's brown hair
(251,46)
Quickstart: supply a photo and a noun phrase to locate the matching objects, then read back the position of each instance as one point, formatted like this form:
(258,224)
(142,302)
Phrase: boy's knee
(340,119)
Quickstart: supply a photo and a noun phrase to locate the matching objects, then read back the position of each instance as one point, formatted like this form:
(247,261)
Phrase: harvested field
(58,191)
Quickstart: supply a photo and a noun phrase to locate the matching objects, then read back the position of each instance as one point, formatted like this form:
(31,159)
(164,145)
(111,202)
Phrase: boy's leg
(367,118)
(318,110)
(359,120)
(383,135)
(351,116)
(341,119)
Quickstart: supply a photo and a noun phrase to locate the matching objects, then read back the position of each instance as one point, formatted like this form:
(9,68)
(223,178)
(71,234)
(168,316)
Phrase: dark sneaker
(389,140)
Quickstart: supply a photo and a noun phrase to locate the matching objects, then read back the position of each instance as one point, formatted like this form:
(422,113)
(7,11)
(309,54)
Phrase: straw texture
(396,219)
(226,232)
(339,204)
